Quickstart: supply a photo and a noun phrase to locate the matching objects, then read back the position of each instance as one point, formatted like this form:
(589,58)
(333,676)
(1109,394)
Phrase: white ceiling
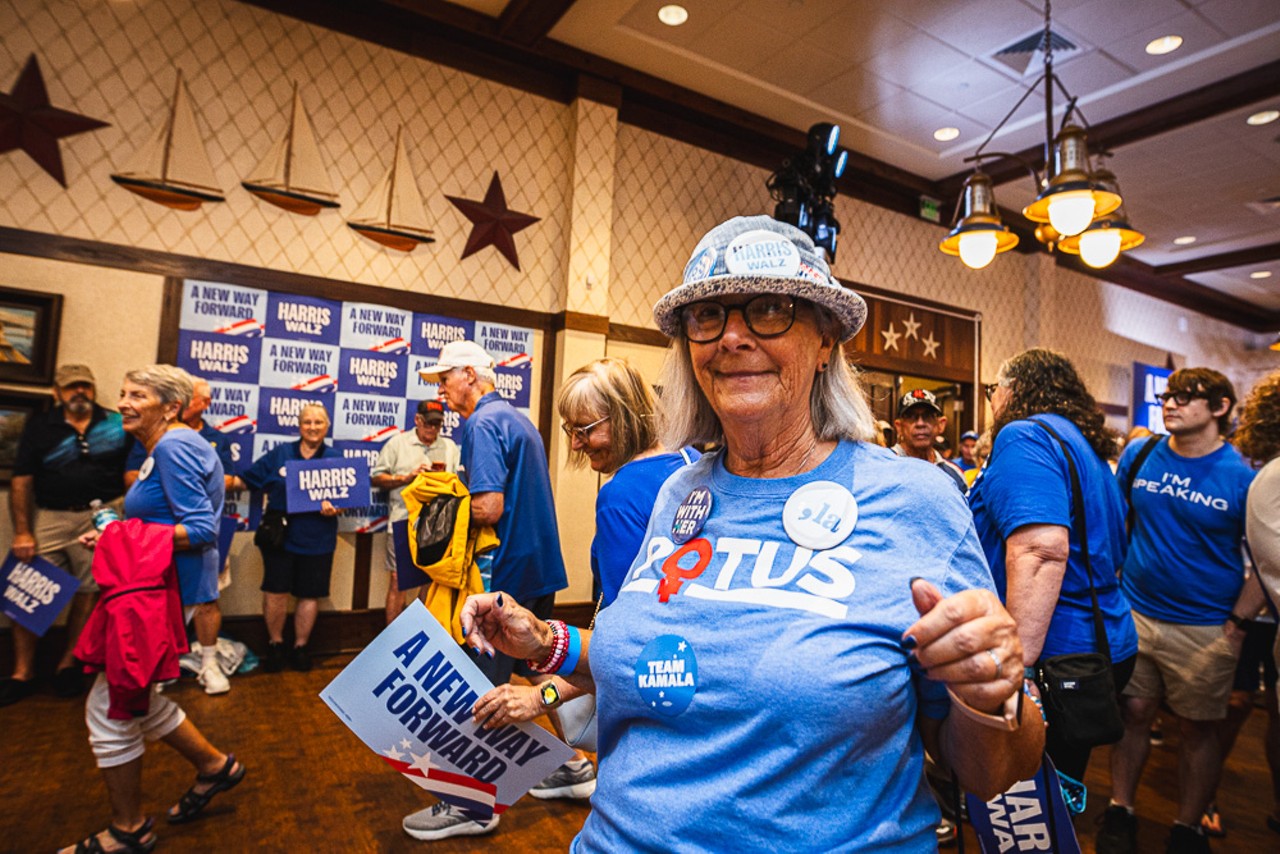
(890,73)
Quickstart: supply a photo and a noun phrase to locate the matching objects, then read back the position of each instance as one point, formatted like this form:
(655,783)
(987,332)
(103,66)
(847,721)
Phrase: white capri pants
(120,742)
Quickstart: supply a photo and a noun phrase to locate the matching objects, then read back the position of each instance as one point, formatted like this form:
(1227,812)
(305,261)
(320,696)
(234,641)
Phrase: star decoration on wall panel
(891,337)
(29,122)
(912,325)
(931,346)
(494,224)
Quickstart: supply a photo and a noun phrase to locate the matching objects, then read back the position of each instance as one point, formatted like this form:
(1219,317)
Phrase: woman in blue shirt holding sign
(297,548)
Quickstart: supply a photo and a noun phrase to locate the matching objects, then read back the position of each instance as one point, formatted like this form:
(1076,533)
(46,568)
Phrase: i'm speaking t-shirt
(1184,564)
(753,691)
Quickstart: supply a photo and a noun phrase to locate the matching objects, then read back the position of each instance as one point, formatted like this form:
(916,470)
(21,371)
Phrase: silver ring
(995,659)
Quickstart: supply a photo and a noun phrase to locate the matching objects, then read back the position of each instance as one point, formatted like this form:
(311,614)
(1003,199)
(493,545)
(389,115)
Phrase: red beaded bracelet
(559,649)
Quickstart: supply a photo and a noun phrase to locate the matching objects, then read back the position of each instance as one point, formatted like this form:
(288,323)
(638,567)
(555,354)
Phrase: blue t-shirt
(754,692)
(183,484)
(306,533)
(1027,482)
(216,438)
(623,508)
(502,452)
(1184,564)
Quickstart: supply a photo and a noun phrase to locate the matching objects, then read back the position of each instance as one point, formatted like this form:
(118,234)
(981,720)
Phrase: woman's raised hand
(496,622)
(968,641)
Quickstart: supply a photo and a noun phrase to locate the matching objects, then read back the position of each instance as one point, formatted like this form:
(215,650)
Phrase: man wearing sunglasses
(919,423)
(1184,578)
(68,457)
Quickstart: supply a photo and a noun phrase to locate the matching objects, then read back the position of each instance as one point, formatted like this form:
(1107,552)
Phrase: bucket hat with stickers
(759,255)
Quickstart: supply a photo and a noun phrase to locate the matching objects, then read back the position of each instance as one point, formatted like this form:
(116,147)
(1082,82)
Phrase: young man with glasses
(504,464)
(67,458)
(1184,578)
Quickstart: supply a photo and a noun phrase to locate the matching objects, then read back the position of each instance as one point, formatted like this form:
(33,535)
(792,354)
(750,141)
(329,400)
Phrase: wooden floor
(312,786)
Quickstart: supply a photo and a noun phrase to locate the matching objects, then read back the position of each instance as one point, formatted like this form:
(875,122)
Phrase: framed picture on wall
(16,408)
(29,324)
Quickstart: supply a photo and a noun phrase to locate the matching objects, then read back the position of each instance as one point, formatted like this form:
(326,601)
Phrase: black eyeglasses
(581,433)
(990,389)
(1181,398)
(767,316)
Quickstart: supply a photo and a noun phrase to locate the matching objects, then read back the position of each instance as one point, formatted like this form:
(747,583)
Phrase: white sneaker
(576,780)
(213,680)
(442,820)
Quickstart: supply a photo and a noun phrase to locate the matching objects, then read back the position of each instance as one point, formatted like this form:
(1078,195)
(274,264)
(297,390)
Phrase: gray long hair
(166,382)
(838,404)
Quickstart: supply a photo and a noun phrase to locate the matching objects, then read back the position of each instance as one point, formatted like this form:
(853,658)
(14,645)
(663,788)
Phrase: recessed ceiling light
(1265,117)
(1163,45)
(1184,240)
(673,15)
(1260,274)
(946,134)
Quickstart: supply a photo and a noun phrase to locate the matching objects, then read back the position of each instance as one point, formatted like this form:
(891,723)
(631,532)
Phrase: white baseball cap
(457,354)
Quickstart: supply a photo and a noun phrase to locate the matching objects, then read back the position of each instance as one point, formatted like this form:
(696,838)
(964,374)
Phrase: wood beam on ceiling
(1204,103)
(460,38)
(1223,261)
(527,22)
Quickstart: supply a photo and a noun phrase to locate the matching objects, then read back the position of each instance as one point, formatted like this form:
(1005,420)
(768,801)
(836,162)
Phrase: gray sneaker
(568,781)
(442,820)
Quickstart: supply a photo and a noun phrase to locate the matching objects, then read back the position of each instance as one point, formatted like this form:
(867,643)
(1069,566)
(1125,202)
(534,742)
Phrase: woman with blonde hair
(297,548)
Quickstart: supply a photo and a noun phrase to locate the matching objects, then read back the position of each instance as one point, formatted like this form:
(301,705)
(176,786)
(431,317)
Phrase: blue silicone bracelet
(574,653)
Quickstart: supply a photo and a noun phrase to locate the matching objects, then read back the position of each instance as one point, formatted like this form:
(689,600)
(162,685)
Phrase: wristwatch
(1237,620)
(550,694)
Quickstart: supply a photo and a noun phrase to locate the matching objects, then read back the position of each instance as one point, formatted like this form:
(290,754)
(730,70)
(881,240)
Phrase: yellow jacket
(455,576)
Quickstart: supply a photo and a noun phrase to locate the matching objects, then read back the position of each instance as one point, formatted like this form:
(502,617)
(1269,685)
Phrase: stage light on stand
(804,188)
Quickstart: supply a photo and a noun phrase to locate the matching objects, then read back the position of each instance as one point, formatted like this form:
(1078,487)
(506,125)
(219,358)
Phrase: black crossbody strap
(1133,475)
(1077,503)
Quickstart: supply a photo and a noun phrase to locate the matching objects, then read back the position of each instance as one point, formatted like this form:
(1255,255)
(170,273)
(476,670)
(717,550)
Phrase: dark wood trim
(1133,274)
(892,364)
(637,335)
(360,572)
(59,248)
(1115,408)
(1179,111)
(1222,261)
(527,22)
(600,91)
(170,320)
(547,391)
(871,290)
(579,322)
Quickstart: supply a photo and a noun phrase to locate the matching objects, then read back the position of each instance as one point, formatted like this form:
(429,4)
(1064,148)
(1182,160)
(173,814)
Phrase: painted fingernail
(489,653)
(914,579)
(465,629)
(910,642)
(499,600)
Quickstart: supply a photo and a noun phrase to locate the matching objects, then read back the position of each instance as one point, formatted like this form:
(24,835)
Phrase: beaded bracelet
(574,653)
(1026,689)
(559,649)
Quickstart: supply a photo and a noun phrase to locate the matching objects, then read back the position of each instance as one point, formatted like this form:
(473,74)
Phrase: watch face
(550,696)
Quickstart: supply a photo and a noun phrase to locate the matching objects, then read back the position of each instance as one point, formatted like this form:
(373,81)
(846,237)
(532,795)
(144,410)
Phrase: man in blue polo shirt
(208,616)
(1184,577)
(504,464)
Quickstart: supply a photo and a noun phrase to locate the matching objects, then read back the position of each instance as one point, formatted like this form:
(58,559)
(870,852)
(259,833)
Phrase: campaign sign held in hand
(409,696)
(340,481)
(35,592)
(1030,816)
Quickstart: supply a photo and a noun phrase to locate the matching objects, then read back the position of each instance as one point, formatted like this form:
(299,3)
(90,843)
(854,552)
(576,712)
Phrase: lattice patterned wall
(117,61)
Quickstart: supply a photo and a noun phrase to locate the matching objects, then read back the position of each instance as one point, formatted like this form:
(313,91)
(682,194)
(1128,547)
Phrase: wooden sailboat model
(292,175)
(173,168)
(393,214)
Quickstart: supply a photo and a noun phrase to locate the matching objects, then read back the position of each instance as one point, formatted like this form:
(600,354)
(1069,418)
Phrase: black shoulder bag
(1078,689)
(1133,475)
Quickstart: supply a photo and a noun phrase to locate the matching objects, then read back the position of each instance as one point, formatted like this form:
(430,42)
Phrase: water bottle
(103,514)
(485,564)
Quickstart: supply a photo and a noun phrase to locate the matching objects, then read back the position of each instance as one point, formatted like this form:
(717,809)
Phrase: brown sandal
(133,842)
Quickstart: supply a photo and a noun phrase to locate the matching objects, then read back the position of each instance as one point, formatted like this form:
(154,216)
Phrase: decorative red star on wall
(29,122)
(494,223)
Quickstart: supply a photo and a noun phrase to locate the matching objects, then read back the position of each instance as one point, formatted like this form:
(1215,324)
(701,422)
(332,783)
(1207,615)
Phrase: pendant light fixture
(1072,200)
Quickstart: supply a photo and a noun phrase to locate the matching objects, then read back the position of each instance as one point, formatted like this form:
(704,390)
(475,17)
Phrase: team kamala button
(691,515)
(667,675)
(820,515)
